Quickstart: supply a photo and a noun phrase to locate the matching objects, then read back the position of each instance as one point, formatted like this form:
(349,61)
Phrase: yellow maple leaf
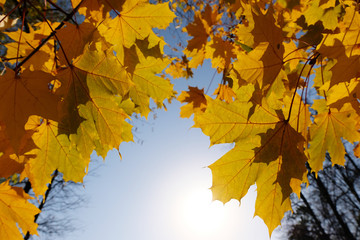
(135,21)
(54,152)
(142,66)
(230,122)
(265,61)
(224,92)
(330,125)
(274,160)
(90,110)
(179,69)
(15,211)
(195,99)
(292,55)
(25,43)
(326,13)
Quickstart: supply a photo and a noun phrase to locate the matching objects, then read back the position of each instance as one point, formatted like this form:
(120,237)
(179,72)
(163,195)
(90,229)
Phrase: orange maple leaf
(22,96)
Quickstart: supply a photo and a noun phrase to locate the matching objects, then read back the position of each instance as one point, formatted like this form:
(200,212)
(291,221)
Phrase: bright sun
(201,215)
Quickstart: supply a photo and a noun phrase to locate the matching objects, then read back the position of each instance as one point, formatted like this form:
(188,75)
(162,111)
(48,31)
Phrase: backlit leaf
(15,211)
(326,134)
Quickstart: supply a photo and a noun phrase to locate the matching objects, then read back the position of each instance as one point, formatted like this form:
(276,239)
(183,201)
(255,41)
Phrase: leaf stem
(310,60)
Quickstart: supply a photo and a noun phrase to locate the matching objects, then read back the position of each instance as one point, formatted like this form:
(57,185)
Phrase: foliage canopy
(69,88)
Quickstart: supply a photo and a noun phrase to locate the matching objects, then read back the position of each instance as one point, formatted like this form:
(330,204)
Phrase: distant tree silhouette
(329,208)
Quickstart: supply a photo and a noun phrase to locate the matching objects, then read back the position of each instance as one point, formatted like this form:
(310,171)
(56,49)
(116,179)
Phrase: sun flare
(200,214)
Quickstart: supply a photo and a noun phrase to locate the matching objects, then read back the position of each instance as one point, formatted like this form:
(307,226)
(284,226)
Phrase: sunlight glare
(201,215)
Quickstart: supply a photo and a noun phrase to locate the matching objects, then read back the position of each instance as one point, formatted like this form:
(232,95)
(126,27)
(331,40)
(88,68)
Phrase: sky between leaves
(70,87)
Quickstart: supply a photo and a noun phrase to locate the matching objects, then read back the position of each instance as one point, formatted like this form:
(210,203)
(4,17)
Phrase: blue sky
(160,189)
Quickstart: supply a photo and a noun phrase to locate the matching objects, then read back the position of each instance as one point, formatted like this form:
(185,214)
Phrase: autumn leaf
(264,62)
(199,48)
(89,89)
(73,40)
(276,165)
(23,96)
(327,131)
(179,69)
(326,13)
(15,211)
(12,162)
(54,152)
(72,90)
(225,93)
(195,99)
(6,22)
(234,173)
(221,52)
(135,21)
(71,84)
(229,122)
(199,30)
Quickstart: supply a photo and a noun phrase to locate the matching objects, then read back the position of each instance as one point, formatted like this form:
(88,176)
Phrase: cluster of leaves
(69,86)
(289,92)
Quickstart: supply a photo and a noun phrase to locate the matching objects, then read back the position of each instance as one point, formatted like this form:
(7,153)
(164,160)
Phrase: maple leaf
(326,13)
(276,165)
(234,173)
(220,52)
(198,47)
(23,96)
(229,122)
(264,63)
(330,125)
(224,92)
(12,162)
(90,110)
(111,65)
(201,28)
(15,211)
(135,21)
(195,99)
(343,93)
(54,152)
(24,45)
(6,22)
(142,69)
(179,69)
(292,55)
(96,10)
(346,67)
(74,38)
